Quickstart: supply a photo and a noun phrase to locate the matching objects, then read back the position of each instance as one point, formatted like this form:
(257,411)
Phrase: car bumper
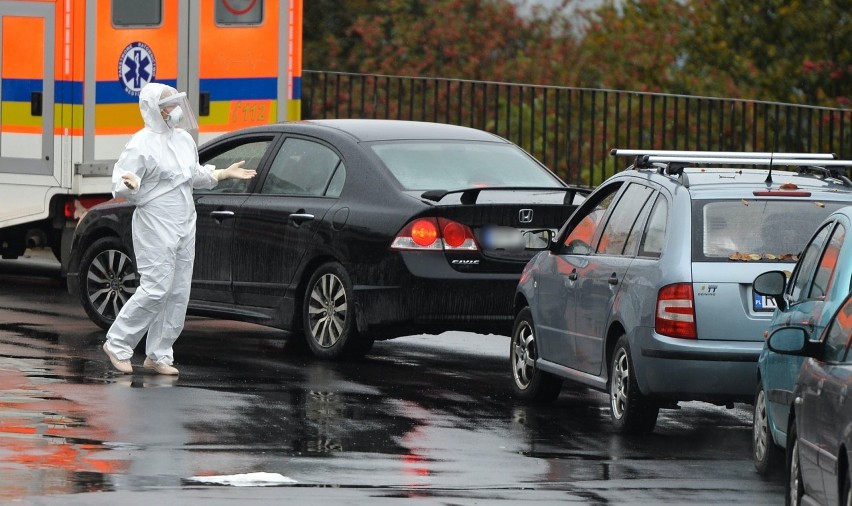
(435,306)
(420,292)
(690,369)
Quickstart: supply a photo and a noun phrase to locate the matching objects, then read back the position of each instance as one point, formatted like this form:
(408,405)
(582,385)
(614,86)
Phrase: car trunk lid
(510,225)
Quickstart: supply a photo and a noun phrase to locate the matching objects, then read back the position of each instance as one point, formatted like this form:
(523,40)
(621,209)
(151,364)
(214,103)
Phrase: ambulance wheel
(108,278)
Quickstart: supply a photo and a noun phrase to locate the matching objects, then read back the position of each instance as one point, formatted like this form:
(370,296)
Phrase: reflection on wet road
(422,416)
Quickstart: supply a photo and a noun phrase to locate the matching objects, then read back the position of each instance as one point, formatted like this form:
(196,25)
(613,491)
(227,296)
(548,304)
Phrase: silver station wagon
(646,291)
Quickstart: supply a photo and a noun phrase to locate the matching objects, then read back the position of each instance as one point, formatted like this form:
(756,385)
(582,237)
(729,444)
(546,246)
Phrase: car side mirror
(772,284)
(790,341)
(539,239)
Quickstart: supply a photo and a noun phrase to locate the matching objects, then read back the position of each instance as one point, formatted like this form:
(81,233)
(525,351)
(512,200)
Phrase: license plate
(515,239)
(763,303)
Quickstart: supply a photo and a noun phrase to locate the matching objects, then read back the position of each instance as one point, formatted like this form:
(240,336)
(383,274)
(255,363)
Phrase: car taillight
(457,236)
(432,233)
(424,233)
(676,311)
(76,208)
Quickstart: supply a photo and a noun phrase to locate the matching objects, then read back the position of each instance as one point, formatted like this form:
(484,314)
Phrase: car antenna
(769,176)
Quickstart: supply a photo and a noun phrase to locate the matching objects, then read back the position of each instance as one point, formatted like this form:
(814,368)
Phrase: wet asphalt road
(423,418)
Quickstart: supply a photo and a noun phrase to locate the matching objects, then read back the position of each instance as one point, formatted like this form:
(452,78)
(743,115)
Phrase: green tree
(797,51)
(465,39)
(634,45)
(326,23)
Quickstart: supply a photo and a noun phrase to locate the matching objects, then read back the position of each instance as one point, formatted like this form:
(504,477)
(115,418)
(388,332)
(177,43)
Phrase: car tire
(767,456)
(529,382)
(328,315)
(107,280)
(631,411)
(795,488)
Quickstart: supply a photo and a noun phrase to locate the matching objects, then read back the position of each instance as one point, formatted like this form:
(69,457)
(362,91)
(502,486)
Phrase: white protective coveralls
(164,161)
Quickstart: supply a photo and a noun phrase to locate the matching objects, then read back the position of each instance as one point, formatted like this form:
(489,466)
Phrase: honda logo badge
(525,215)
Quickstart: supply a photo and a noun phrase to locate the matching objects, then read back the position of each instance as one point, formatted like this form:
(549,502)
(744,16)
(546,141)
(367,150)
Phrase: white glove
(235,171)
(130,180)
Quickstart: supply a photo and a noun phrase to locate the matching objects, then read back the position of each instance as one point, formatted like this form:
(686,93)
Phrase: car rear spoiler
(470,195)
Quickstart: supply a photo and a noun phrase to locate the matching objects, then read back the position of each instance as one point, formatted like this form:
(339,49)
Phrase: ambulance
(70,76)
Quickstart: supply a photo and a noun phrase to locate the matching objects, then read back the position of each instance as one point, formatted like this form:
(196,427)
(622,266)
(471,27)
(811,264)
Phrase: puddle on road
(45,448)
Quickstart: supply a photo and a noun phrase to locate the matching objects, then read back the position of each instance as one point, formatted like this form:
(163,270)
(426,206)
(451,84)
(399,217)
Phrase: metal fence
(572,129)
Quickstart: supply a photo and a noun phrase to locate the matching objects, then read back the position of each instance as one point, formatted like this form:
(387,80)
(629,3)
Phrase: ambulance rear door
(27,171)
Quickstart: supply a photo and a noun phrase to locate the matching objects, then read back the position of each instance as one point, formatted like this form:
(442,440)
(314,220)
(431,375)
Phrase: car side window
(335,186)
(655,231)
(827,264)
(249,150)
(585,222)
(301,167)
(803,274)
(838,334)
(624,219)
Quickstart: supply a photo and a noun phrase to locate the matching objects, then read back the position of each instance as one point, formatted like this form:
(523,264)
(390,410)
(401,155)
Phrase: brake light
(432,233)
(781,193)
(454,235)
(424,232)
(457,236)
(676,311)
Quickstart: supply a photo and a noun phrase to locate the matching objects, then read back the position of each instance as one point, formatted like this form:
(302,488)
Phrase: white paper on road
(246,480)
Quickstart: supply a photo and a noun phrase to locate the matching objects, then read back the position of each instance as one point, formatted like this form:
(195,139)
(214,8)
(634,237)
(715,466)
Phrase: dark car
(817,286)
(819,433)
(352,231)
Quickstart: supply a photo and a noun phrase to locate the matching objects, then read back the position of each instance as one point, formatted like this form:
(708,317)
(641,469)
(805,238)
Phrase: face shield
(177,113)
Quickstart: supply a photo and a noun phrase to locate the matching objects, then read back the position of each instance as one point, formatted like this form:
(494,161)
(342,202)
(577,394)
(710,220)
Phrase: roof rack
(721,154)
(673,162)
(745,160)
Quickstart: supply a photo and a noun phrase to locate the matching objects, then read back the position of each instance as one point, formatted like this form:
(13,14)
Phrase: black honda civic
(352,231)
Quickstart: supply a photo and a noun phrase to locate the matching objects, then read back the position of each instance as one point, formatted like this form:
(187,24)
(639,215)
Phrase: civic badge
(525,215)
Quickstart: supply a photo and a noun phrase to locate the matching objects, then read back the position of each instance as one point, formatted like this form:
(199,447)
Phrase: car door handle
(819,386)
(221,215)
(613,280)
(299,218)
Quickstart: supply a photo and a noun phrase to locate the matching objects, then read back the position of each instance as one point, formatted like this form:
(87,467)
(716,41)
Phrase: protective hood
(149,99)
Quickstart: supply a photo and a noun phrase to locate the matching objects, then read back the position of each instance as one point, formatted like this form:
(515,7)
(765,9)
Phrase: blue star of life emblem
(136,67)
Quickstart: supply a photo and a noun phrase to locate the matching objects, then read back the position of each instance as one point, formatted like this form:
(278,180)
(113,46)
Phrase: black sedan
(353,230)
(819,434)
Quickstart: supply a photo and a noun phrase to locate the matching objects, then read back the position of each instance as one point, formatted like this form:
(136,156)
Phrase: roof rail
(721,154)
(674,162)
(746,159)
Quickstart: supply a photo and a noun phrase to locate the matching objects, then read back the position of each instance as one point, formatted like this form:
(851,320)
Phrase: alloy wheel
(760,427)
(110,282)
(524,355)
(619,384)
(327,310)
(795,475)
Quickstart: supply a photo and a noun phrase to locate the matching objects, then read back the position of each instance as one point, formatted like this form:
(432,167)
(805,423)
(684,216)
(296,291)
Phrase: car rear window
(448,165)
(755,230)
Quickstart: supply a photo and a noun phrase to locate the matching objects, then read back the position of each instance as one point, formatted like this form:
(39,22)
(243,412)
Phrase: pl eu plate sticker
(136,67)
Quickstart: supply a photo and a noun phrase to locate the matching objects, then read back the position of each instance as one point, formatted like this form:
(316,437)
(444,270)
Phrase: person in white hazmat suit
(157,171)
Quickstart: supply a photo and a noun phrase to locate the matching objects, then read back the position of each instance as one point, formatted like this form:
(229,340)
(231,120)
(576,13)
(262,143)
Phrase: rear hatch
(735,240)
(509,225)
